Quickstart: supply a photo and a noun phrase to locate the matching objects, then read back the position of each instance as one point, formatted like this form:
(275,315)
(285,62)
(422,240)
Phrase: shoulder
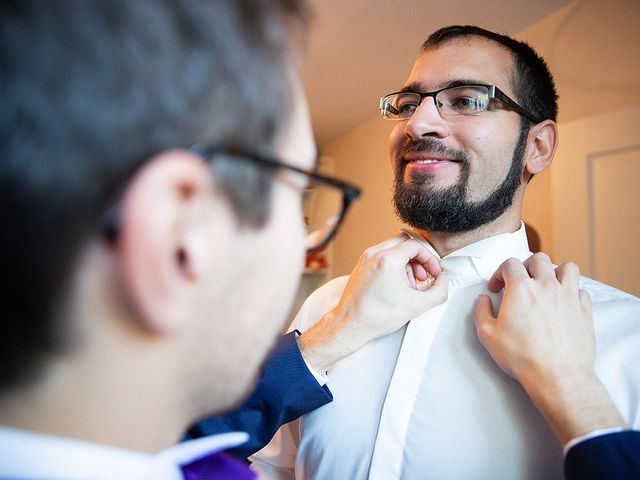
(603,293)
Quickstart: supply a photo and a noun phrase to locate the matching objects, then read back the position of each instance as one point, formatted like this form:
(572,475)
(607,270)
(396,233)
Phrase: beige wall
(361,157)
(596,161)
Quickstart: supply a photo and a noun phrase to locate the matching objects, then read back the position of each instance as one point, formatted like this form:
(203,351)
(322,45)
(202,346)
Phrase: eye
(400,105)
(469,99)
(406,105)
(467,104)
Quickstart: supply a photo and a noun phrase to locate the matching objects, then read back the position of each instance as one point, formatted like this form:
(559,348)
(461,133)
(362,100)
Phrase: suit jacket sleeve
(614,455)
(285,391)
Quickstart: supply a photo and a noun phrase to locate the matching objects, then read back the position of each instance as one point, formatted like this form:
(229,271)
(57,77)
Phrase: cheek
(284,255)
(491,156)
(490,143)
(396,138)
(395,144)
(287,229)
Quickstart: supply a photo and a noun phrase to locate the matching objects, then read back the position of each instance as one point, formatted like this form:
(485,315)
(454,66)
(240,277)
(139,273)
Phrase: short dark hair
(89,91)
(533,83)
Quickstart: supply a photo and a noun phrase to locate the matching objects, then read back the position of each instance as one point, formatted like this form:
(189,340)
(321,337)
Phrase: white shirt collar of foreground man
(29,455)
(429,402)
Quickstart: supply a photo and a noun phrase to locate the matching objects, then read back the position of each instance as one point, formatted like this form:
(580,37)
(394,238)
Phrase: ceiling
(362,49)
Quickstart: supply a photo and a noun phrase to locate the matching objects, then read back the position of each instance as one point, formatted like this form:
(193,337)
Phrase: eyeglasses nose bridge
(426,119)
(424,99)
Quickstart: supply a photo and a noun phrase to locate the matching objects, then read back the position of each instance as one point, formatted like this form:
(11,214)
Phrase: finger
(385,245)
(429,281)
(569,277)
(539,267)
(437,291)
(585,302)
(419,271)
(509,271)
(413,251)
(410,276)
(483,316)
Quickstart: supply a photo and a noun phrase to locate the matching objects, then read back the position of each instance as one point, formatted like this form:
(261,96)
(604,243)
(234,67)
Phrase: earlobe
(161,212)
(543,140)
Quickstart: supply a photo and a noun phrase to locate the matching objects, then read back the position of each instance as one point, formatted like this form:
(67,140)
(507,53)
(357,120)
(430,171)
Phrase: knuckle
(368,254)
(512,261)
(572,267)
(384,258)
(541,256)
(484,332)
(584,295)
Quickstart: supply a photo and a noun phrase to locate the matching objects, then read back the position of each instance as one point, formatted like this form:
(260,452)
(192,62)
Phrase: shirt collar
(33,455)
(478,261)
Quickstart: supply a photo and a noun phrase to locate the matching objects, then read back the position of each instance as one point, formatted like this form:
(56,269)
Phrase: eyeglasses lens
(322,206)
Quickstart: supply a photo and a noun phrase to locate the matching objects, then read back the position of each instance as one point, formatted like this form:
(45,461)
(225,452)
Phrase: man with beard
(436,399)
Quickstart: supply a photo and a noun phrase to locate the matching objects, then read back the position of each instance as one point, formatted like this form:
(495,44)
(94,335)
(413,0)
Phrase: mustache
(432,145)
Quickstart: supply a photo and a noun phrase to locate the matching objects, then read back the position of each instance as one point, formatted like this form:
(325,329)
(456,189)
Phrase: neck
(97,402)
(445,243)
(116,384)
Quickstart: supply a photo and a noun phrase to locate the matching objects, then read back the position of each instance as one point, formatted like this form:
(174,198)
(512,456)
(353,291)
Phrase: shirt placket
(389,448)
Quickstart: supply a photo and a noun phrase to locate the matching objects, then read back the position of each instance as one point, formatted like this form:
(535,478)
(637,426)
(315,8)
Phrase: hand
(387,288)
(544,326)
(543,336)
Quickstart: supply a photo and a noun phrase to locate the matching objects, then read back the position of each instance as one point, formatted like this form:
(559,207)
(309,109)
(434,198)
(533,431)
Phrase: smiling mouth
(425,157)
(431,160)
(425,161)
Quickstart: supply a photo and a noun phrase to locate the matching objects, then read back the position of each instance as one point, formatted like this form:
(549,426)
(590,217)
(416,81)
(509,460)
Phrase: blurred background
(583,209)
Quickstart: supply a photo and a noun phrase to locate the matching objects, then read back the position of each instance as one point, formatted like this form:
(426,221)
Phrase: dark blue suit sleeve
(614,455)
(286,391)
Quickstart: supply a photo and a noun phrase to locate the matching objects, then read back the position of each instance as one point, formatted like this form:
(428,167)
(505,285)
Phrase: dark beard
(447,210)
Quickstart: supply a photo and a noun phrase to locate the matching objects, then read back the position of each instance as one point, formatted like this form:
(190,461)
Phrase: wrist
(574,405)
(320,346)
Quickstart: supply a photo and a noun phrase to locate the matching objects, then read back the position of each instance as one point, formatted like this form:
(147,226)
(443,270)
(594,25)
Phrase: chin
(229,395)
(246,374)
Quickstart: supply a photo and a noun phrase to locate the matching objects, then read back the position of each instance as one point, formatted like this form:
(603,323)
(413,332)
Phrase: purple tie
(217,466)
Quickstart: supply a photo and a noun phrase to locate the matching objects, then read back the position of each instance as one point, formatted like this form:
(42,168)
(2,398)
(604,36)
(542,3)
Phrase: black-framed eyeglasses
(450,101)
(326,199)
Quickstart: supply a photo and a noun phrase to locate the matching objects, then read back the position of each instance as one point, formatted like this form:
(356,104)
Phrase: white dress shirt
(28,455)
(429,402)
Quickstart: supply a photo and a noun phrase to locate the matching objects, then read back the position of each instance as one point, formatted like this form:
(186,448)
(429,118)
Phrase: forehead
(467,58)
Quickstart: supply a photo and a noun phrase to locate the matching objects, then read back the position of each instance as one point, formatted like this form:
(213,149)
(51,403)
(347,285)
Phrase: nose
(426,121)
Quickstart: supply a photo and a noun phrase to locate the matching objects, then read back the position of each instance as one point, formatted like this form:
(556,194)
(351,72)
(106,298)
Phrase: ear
(164,244)
(543,140)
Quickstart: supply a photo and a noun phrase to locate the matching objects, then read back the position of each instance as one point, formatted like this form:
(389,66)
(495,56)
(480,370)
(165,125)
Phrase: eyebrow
(417,87)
